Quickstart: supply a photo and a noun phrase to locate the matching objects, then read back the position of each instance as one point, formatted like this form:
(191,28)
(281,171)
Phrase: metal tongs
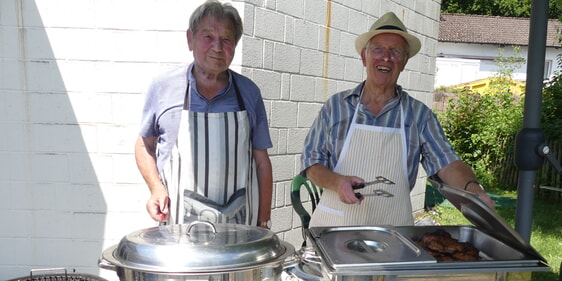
(377,192)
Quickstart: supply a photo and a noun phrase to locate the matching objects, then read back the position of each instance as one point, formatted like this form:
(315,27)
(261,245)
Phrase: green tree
(504,8)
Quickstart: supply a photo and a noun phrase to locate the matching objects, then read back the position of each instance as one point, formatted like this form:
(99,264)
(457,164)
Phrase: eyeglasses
(378,52)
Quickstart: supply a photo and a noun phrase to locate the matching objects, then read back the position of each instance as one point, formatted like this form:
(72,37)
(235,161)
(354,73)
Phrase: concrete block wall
(300,53)
(72,74)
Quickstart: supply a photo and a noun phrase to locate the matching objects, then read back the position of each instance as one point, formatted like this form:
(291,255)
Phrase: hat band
(390,27)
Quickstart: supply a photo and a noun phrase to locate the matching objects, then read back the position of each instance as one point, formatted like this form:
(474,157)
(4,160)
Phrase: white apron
(211,173)
(368,152)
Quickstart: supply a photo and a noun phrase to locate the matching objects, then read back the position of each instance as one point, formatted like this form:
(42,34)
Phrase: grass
(546,235)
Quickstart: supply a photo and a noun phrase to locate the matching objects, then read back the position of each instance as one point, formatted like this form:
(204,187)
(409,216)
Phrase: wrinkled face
(384,57)
(213,44)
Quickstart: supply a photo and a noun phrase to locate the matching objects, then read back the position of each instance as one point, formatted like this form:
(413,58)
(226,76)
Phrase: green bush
(552,107)
(482,127)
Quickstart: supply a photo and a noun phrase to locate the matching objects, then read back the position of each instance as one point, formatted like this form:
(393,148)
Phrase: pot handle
(308,254)
(105,264)
(212,226)
(48,269)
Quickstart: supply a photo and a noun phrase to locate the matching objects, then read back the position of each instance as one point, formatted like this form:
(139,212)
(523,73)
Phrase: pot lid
(198,247)
(484,217)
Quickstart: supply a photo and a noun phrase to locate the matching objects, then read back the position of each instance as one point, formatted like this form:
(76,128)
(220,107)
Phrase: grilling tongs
(378,192)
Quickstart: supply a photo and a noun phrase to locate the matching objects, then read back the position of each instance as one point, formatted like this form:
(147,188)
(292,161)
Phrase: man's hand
(158,206)
(345,189)
(326,178)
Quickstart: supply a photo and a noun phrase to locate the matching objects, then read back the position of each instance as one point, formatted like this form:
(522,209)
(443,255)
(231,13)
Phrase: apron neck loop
(187,98)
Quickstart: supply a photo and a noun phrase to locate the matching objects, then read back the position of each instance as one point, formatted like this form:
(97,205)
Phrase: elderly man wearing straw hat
(374,136)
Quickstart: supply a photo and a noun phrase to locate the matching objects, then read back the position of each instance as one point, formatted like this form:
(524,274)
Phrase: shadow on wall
(53,210)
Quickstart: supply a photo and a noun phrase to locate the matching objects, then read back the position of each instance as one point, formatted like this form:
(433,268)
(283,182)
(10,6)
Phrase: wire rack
(63,276)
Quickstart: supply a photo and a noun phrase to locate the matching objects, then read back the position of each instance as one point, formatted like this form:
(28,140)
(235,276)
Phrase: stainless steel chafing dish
(391,253)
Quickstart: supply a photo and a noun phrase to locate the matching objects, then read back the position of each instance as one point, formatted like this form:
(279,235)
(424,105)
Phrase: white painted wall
(72,74)
(460,63)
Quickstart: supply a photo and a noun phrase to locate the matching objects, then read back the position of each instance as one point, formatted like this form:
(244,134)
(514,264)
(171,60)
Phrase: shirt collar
(191,80)
(354,95)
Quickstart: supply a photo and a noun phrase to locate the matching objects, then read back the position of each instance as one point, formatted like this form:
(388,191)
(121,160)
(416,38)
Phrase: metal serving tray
(346,249)
(387,250)
(392,251)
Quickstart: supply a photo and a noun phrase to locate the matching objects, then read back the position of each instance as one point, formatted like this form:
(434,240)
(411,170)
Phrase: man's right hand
(145,155)
(326,178)
(158,206)
(345,189)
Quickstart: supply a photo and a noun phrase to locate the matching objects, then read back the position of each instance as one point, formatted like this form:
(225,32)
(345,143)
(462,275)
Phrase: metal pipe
(532,113)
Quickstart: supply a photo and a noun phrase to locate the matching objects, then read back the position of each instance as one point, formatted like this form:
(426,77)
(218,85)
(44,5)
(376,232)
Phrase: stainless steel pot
(199,251)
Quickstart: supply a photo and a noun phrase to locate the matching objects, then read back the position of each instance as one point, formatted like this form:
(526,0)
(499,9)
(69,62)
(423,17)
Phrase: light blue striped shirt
(426,141)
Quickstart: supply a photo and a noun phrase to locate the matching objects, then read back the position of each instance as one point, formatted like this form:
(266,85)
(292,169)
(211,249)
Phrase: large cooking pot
(199,251)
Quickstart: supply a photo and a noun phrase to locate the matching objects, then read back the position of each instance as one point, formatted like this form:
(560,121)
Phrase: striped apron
(211,174)
(368,152)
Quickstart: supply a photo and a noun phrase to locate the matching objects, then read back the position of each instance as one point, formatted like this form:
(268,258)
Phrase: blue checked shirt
(426,141)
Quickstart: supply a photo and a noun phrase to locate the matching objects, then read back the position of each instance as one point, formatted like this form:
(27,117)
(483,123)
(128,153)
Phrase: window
(547,69)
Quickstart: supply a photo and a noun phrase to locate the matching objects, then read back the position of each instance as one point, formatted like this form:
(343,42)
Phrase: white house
(468,46)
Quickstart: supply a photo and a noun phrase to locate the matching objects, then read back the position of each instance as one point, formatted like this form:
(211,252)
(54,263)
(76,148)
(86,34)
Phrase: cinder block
(283,114)
(15,251)
(49,167)
(56,138)
(282,190)
(37,46)
(271,25)
(281,141)
(122,140)
(68,14)
(252,52)
(126,109)
(10,80)
(339,17)
(18,222)
(283,167)
(8,14)
(324,89)
(344,44)
(315,11)
(268,58)
(357,22)
(306,35)
(286,58)
(126,170)
(269,83)
(312,63)
(49,108)
(281,219)
(353,69)
(336,67)
(303,88)
(307,113)
(295,140)
(11,47)
(295,8)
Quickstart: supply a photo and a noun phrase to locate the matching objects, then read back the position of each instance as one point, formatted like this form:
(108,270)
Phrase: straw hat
(388,23)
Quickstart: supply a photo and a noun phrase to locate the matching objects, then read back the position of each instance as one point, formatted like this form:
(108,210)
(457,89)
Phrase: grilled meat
(443,247)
